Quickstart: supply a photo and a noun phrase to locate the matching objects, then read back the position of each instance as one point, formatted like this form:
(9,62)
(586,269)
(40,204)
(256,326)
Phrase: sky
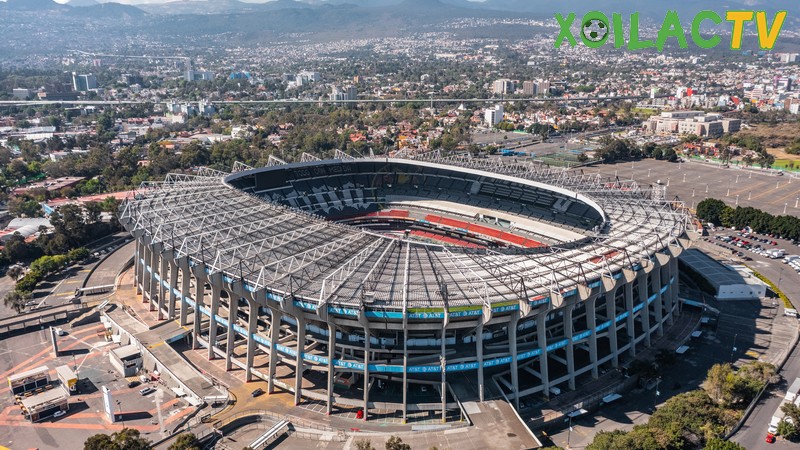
(144,2)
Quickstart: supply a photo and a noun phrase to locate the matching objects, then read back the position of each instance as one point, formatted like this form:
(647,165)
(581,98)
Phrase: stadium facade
(415,271)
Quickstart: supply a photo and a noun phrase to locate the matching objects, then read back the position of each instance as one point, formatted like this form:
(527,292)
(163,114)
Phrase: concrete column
(611,313)
(405,375)
(137,266)
(673,288)
(591,322)
(154,282)
(147,275)
(252,329)
(185,292)
(199,294)
(645,311)
(512,346)
(301,345)
(655,279)
(443,363)
(541,336)
(162,289)
(331,356)
(233,313)
(212,322)
(629,322)
(367,345)
(274,335)
(173,286)
(479,350)
(568,311)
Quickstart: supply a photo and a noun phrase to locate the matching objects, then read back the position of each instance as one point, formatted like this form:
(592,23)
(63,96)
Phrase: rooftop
(715,272)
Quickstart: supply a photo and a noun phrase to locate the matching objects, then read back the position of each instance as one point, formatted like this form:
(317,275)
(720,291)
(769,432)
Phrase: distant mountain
(219,6)
(106,11)
(33,5)
(549,8)
(75,3)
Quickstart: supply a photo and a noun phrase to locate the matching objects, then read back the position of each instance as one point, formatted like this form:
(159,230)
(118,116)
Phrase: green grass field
(786,164)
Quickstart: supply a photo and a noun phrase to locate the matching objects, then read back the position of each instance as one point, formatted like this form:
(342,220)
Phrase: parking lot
(86,351)
(695,181)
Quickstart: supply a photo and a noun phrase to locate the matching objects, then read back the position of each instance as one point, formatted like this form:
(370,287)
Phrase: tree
(93,211)
(15,272)
(792,411)
(788,430)
(719,382)
(78,254)
(15,300)
(364,444)
(711,210)
(719,444)
(21,206)
(186,441)
(395,443)
(127,439)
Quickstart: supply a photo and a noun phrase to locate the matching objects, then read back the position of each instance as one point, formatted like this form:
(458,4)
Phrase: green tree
(15,272)
(186,441)
(78,254)
(719,382)
(792,411)
(93,211)
(788,430)
(720,444)
(127,439)
(395,443)
(711,210)
(364,444)
(15,300)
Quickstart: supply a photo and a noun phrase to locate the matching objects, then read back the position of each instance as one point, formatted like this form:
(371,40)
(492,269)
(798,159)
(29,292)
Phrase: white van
(555,391)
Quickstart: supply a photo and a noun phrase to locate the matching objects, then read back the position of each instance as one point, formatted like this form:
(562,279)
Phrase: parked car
(257,392)
(59,413)
(133,384)
(770,439)
(146,390)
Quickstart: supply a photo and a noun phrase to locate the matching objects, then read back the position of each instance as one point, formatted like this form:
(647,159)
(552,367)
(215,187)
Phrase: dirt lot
(776,138)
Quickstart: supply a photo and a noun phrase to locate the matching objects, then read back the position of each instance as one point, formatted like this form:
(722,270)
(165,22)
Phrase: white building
(503,86)
(494,115)
(692,122)
(729,282)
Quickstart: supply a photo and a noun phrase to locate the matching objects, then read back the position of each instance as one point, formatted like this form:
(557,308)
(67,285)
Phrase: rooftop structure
(379,257)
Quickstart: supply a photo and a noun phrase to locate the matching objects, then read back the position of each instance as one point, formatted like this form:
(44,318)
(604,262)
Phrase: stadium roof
(287,251)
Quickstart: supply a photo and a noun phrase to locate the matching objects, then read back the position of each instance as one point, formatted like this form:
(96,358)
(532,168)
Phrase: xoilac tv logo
(595,29)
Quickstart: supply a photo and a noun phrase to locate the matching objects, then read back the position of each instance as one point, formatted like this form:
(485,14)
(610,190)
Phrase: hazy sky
(142,2)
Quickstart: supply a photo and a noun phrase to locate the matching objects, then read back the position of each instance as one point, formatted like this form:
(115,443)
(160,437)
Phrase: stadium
(409,284)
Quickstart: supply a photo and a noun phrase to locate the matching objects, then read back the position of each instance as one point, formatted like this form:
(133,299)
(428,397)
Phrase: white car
(146,390)
(59,413)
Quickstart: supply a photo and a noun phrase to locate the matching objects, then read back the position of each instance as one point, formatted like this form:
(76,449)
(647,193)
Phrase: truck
(776,253)
(792,392)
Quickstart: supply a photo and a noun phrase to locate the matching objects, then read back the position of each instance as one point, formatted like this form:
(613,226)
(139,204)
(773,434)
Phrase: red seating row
(397,213)
(445,239)
(484,231)
(607,255)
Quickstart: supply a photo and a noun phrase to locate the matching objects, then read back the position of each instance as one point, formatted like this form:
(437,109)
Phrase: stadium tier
(409,272)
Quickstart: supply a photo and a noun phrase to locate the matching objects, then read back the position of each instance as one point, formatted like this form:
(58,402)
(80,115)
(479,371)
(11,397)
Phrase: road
(60,288)
(571,100)
(751,436)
